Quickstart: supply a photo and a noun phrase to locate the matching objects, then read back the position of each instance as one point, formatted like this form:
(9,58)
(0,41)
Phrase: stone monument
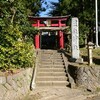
(75,37)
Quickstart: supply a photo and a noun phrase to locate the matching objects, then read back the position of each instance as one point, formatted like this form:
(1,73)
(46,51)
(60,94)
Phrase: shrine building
(51,31)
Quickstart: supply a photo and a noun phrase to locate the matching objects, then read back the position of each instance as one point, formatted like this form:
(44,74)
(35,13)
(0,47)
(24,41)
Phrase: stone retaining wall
(86,77)
(15,86)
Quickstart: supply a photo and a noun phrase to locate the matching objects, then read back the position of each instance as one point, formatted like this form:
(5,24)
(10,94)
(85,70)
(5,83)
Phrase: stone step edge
(51,79)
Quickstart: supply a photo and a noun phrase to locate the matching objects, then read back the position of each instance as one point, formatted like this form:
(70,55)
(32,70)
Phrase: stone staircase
(51,70)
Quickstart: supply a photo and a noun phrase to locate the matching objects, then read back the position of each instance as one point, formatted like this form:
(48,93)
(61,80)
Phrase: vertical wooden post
(61,40)
(37,37)
(37,41)
(59,23)
(38,23)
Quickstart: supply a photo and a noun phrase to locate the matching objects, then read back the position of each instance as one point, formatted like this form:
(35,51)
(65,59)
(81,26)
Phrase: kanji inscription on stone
(75,37)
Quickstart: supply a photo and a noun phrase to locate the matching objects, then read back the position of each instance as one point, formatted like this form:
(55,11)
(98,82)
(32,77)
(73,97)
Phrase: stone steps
(53,78)
(52,83)
(53,63)
(59,60)
(52,66)
(51,54)
(51,74)
(51,58)
(51,70)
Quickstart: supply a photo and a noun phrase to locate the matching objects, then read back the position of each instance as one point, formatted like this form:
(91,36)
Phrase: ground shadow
(66,54)
(96,60)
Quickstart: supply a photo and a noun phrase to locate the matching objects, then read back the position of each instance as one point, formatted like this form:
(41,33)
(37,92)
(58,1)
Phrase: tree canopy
(15,29)
(83,9)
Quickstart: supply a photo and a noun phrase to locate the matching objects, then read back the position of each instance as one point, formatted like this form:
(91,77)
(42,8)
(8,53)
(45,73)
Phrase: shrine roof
(50,17)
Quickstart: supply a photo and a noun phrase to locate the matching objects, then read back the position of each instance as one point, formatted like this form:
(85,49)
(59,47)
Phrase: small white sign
(75,37)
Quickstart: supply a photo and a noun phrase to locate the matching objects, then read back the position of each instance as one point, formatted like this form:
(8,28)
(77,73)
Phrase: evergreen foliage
(15,31)
(83,9)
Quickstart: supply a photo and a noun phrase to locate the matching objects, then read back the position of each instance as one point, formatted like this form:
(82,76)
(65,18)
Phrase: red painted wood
(61,40)
(52,25)
(37,41)
(59,23)
(42,25)
(35,25)
(38,23)
(55,25)
(63,25)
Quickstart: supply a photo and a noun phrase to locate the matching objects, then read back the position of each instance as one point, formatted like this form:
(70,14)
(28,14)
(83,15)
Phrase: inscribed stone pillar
(75,37)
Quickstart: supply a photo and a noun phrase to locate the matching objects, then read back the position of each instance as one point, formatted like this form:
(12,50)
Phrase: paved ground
(58,94)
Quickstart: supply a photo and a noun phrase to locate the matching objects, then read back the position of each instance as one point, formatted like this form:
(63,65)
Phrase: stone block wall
(13,87)
(86,77)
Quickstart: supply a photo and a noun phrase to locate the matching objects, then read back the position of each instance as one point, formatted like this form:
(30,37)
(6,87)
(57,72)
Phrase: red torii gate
(50,24)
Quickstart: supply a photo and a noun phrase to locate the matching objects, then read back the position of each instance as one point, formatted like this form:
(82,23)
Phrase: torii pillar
(61,37)
(37,41)
(37,37)
(61,40)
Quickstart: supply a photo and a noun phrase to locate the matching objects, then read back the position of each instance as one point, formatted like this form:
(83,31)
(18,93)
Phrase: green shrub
(14,51)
